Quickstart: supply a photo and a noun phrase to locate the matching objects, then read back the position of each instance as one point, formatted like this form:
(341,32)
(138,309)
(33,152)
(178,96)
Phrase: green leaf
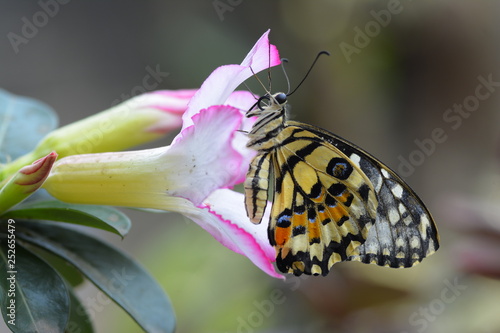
(101,217)
(40,297)
(23,123)
(67,271)
(79,320)
(117,275)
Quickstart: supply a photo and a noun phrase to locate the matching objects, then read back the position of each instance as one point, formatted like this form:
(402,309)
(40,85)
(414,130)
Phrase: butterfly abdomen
(256,187)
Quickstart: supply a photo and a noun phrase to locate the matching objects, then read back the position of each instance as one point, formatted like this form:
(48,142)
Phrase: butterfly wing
(404,231)
(323,207)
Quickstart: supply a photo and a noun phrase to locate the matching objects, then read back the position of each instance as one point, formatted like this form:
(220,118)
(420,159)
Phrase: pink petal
(239,144)
(202,158)
(173,103)
(242,100)
(225,79)
(171,100)
(223,216)
(256,59)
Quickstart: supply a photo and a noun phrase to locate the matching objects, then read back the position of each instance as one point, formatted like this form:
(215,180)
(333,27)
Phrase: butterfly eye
(280,98)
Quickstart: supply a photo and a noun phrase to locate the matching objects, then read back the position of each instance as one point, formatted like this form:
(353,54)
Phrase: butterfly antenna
(258,80)
(255,96)
(283,62)
(309,71)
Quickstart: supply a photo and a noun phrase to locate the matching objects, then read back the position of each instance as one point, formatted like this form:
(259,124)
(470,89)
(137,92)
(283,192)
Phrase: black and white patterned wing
(404,231)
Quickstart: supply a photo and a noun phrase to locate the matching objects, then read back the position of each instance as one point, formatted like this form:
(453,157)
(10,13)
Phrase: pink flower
(142,119)
(193,176)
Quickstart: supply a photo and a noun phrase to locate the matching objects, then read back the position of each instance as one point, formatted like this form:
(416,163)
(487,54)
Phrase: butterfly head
(269,104)
(279,98)
(271,117)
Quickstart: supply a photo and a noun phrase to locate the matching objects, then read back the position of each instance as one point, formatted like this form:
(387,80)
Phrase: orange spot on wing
(281,235)
(337,212)
(343,198)
(298,220)
(314,231)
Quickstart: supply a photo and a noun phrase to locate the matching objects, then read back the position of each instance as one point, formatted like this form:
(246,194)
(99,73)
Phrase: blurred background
(416,83)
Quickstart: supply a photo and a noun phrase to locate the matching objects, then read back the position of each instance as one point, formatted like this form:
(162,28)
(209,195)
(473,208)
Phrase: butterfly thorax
(270,110)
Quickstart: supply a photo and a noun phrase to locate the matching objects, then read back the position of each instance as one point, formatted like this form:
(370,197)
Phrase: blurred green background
(397,72)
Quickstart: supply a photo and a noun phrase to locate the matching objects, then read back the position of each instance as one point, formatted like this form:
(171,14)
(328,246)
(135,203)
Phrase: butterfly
(332,200)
